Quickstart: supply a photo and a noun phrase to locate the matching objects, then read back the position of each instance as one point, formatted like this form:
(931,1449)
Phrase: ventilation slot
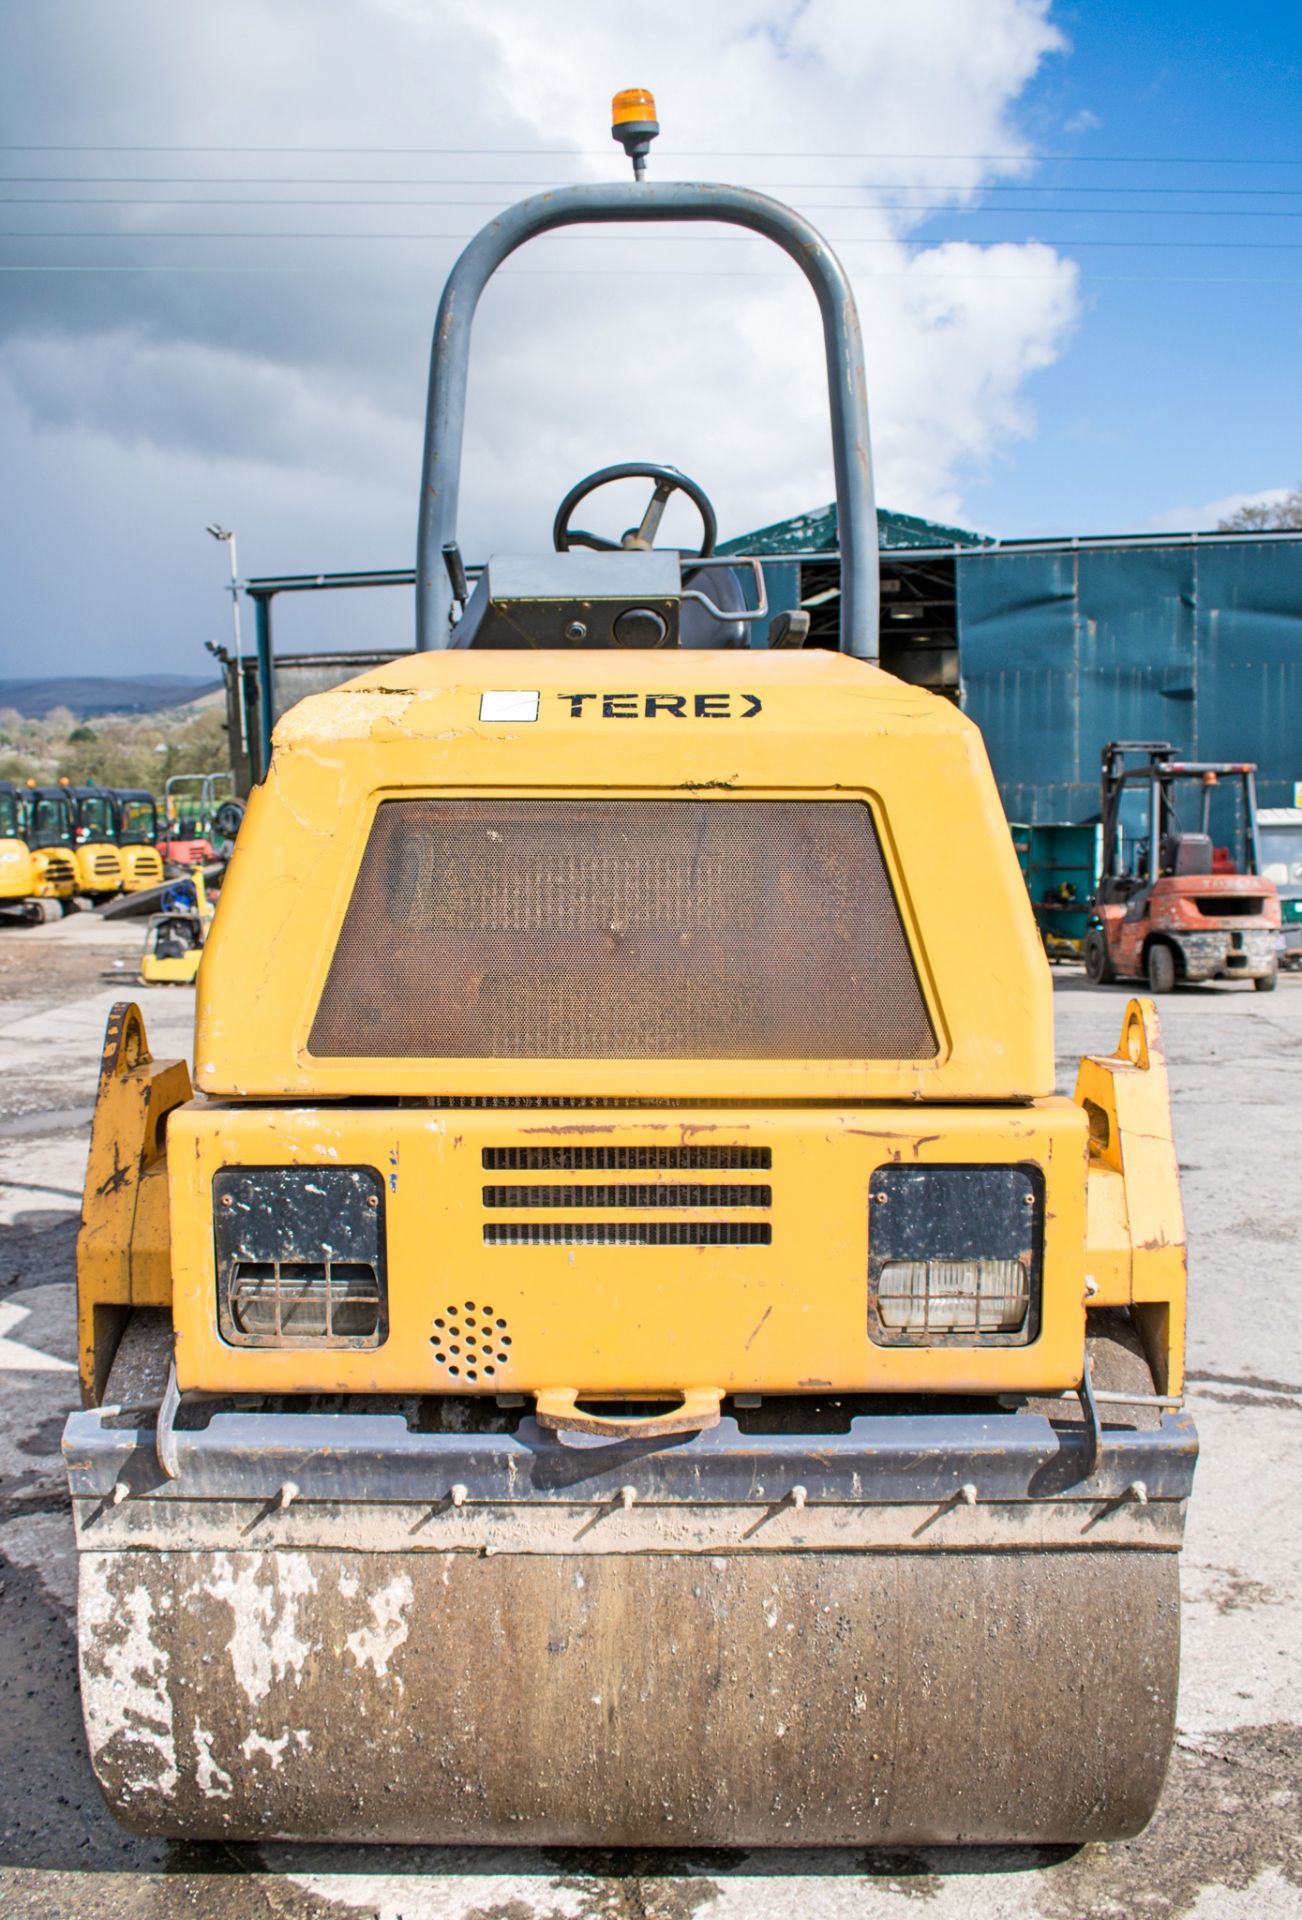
(627,1160)
(628,1233)
(666,1195)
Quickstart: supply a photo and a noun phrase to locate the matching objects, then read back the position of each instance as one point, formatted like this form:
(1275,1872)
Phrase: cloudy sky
(1071,233)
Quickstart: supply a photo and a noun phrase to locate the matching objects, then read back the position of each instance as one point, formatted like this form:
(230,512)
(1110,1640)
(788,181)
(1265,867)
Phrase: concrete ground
(1225,1844)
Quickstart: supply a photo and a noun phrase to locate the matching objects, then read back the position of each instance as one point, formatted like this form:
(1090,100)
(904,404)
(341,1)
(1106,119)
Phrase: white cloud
(280,388)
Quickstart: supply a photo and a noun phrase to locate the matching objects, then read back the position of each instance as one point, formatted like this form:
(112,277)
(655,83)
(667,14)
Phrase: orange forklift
(1172,906)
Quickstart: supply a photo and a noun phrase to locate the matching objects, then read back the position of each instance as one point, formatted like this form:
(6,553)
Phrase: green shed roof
(816,533)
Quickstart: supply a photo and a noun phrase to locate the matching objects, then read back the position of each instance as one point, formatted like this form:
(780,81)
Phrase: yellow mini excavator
(49,832)
(95,840)
(17,869)
(623,1344)
(137,838)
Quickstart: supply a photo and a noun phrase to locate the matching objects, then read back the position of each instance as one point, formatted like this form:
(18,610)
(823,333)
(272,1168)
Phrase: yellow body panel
(181,971)
(124,1248)
(1136,1221)
(774,725)
(17,874)
(99,867)
(627,1320)
(141,867)
(55,873)
(790,1317)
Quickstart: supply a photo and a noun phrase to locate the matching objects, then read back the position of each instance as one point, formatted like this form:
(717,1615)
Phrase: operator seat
(1187,854)
(697,627)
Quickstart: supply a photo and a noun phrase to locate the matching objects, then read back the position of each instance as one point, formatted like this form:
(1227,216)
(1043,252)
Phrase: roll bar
(605,204)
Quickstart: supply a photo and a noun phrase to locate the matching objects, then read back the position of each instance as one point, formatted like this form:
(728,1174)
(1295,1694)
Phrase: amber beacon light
(634,125)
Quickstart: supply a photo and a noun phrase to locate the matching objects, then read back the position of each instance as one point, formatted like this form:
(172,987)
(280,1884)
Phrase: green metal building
(1057,646)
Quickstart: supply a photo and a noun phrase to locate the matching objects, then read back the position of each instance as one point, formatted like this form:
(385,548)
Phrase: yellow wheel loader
(623,1344)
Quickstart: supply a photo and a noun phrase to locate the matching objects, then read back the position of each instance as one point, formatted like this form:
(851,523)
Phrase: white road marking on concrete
(14,1356)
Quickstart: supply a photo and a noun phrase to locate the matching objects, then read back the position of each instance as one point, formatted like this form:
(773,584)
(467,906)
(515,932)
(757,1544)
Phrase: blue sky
(1183,382)
(225,231)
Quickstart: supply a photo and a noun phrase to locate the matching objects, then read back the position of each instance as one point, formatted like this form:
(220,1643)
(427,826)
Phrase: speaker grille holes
(470,1341)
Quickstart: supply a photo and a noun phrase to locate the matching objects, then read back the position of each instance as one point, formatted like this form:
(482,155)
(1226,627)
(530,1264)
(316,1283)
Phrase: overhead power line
(957,208)
(436,180)
(840,240)
(684,273)
(1025,157)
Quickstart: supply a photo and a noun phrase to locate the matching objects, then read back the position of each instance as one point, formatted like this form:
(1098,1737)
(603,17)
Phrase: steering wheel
(667,480)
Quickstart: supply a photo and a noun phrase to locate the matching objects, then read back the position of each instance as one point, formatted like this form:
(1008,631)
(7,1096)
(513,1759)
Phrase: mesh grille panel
(627,929)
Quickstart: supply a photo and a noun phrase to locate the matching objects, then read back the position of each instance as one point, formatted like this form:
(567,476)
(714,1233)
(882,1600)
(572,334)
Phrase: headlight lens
(322,1302)
(954,1296)
(955,1255)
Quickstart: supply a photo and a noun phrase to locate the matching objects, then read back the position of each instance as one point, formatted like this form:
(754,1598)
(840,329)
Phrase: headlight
(300,1256)
(954,1255)
(954,1296)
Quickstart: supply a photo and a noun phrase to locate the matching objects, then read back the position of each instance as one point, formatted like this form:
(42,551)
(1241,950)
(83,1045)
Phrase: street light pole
(227,534)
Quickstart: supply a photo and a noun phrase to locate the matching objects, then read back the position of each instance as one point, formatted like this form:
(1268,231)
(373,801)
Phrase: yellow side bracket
(123,1249)
(1135,1252)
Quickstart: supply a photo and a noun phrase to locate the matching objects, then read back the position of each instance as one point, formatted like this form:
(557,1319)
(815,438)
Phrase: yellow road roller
(622,1344)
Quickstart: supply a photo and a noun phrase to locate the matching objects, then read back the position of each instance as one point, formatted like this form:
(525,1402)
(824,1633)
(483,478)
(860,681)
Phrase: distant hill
(89,695)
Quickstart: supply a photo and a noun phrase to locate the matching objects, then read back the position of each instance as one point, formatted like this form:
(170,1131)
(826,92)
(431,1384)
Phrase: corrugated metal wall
(1063,650)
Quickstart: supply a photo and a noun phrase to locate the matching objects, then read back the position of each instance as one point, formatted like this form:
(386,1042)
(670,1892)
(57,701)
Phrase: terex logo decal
(653,706)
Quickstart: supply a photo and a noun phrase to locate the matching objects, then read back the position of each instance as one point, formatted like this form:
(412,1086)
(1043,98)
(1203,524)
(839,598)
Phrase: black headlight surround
(956,1211)
(295,1231)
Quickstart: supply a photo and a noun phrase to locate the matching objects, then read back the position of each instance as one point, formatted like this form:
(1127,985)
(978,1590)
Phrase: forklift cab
(1163,819)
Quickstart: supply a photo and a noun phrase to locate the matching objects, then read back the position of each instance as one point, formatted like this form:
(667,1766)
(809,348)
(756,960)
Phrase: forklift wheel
(1265,982)
(1161,968)
(1097,964)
